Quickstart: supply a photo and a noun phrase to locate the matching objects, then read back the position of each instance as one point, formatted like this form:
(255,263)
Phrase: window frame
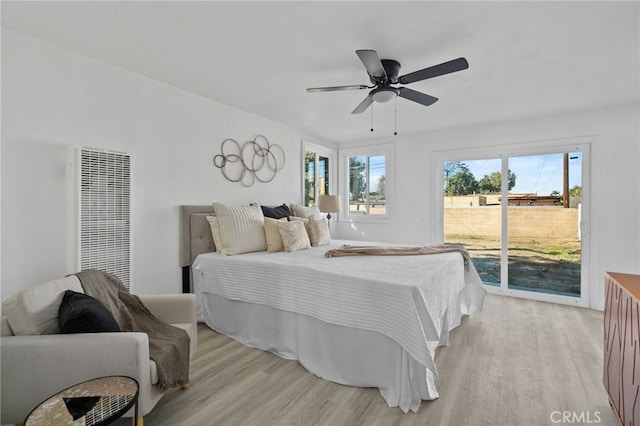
(368,151)
(504,153)
(320,151)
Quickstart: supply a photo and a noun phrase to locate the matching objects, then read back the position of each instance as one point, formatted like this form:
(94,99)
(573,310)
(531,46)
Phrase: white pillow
(215,232)
(304,220)
(241,228)
(35,309)
(302,211)
(294,236)
(272,234)
(319,232)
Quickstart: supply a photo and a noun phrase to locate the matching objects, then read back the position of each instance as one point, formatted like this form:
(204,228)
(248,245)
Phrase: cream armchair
(37,362)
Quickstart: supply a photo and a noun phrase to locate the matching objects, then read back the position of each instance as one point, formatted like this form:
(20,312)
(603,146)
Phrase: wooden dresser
(622,345)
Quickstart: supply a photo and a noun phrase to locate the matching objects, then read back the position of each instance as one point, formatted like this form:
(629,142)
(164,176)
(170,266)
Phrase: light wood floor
(515,363)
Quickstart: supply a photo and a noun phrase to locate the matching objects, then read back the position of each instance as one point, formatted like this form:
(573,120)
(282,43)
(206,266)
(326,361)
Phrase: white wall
(53,99)
(615,183)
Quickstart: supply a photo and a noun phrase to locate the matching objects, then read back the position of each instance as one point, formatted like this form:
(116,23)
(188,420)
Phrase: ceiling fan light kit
(384,72)
(383,94)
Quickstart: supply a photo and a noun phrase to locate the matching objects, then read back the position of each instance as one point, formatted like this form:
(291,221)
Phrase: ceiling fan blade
(415,96)
(335,88)
(372,63)
(363,105)
(435,71)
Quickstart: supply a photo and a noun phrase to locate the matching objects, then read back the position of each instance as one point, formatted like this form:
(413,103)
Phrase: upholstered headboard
(195,233)
(195,238)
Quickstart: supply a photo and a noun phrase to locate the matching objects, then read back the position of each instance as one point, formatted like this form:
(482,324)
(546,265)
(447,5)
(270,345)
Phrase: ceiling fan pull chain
(372,118)
(395,118)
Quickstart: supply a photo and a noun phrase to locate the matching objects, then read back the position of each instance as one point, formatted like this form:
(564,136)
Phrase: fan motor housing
(392,68)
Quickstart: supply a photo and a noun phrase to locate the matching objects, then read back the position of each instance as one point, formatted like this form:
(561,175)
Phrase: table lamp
(329,204)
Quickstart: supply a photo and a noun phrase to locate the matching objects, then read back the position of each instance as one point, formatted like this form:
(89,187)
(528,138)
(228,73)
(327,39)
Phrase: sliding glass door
(472,216)
(544,238)
(521,214)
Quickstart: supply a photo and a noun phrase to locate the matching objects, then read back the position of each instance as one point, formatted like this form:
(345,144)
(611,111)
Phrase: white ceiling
(526,58)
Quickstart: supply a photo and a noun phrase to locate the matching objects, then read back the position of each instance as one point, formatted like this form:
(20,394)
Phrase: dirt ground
(551,266)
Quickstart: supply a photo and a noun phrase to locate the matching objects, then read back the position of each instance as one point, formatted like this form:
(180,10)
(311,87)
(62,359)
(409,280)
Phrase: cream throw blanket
(350,250)
(168,345)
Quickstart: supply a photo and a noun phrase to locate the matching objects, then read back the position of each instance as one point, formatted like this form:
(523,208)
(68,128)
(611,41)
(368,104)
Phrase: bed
(368,321)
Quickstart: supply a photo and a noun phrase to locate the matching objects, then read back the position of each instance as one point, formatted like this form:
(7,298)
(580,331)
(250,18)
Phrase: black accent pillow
(81,313)
(276,212)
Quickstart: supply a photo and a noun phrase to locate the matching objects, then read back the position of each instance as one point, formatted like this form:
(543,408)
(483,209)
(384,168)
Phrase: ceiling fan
(383,73)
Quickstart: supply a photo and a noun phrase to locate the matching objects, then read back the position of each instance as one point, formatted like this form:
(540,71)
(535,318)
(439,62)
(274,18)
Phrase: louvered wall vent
(103,201)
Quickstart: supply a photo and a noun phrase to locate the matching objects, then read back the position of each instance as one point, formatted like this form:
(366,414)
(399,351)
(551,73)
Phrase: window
(318,172)
(367,177)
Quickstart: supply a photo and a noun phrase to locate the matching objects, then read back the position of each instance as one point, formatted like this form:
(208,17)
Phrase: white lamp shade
(329,203)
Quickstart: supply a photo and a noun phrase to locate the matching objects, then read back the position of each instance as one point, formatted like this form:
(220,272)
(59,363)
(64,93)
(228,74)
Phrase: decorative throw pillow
(215,232)
(304,220)
(302,211)
(319,232)
(241,228)
(294,236)
(272,234)
(34,310)
(81,313)
(276,212)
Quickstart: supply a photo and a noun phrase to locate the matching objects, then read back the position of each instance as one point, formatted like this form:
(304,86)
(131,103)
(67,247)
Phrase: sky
(376,170)
(540,174)
(537,174)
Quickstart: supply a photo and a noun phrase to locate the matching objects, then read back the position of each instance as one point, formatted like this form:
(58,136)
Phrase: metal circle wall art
(256,160)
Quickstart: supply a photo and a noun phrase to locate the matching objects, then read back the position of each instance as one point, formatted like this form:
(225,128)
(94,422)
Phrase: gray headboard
(195,233)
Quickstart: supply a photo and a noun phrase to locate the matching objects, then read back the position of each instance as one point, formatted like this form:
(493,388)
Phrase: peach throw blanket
(349,250)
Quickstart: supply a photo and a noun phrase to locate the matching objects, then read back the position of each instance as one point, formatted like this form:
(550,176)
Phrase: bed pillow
(215,232)
(302,211)
(319,232)
(294,236)
(81,313)
(241,228)
(276,212)
(272,234)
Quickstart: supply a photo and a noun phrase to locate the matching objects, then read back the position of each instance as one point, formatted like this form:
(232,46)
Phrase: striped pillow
(241,228)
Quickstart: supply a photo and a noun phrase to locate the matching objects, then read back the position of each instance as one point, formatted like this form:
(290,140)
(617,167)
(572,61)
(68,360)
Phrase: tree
(381,187)
(485,186)
(309,175)
(511,179)
(458,180)
(492,184)
(575,191)
(357,183)
(462,183)
(451,169)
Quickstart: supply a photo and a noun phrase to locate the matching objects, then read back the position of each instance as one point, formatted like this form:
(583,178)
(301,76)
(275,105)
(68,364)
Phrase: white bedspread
(414,300)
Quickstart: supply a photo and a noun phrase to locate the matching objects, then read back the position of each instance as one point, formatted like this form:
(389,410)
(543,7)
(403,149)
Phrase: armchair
(36,366)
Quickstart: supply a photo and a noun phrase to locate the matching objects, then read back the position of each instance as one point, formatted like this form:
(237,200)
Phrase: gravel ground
(530,265)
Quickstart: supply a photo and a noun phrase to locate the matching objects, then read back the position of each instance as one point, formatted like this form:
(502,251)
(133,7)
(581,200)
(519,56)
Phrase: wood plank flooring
(518,362)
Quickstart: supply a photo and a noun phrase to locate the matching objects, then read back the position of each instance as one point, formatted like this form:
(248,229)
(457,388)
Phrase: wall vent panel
(103,203)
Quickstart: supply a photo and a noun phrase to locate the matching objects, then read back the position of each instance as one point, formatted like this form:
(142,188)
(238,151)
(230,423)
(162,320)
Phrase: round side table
(94,402)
